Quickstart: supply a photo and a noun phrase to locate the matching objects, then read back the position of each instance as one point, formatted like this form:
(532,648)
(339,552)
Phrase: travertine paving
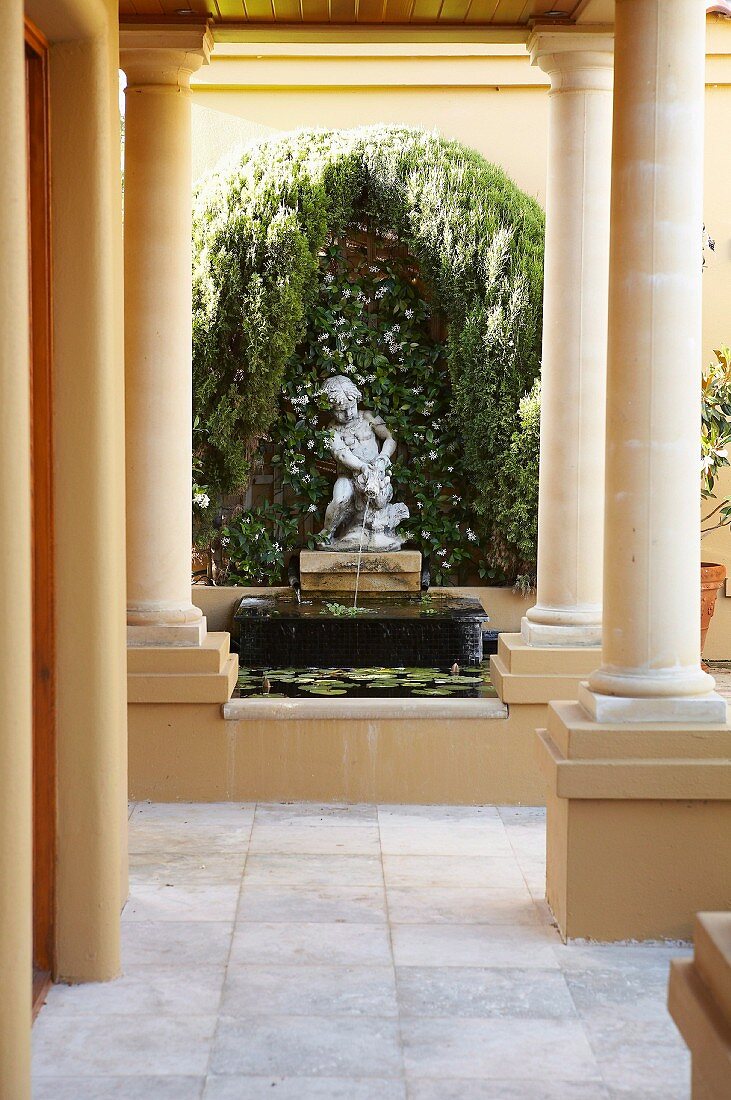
(306,952)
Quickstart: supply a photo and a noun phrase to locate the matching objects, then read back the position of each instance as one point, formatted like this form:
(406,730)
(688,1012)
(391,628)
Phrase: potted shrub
(715,442)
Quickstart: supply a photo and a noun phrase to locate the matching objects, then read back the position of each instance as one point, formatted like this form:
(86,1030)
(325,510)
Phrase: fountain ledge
(361,709)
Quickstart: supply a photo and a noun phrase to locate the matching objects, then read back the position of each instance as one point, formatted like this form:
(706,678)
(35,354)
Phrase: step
(209,657)
(184,687)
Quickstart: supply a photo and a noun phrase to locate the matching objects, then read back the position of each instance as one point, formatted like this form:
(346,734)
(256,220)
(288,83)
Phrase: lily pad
(323,689)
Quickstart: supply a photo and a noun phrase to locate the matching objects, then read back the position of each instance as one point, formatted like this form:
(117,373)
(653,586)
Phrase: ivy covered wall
(278,305)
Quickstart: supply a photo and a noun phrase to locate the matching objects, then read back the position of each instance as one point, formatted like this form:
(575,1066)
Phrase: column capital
(575,60)
(155,54)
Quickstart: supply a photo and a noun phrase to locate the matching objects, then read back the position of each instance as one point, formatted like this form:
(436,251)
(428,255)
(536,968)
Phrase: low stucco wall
(504,606)
(191,753)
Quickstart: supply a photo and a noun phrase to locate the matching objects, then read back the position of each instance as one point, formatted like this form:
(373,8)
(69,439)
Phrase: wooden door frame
(41,389)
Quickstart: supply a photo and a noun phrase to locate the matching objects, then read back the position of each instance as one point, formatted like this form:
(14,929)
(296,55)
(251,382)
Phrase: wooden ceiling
(349,12)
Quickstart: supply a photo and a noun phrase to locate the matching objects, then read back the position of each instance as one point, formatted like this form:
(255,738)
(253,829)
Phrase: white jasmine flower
(311,507)
(471,535)
(201,500)
(408,313)
(450,469)
(442,553)
(310,444)
(433,455)
(425,534)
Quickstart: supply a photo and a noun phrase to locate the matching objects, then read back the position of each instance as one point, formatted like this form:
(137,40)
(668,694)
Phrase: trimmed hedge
(260,234)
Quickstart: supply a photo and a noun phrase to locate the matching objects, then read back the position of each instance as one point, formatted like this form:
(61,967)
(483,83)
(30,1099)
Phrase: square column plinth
(182,674)
(699,1000)
(638,824)
(525,673)
(324,572)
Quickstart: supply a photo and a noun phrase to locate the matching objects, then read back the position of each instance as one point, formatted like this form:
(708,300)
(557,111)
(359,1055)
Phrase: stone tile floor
(307,952)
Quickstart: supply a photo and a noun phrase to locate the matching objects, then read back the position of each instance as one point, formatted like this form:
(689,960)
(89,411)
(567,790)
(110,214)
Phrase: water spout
(360,555)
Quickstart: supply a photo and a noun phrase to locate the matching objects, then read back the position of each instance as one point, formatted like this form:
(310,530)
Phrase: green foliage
(715,433)
(518,502)
(278,306)
(255,544)
(345,610)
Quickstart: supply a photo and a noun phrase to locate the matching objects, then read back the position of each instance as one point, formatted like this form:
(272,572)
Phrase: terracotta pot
(712,577)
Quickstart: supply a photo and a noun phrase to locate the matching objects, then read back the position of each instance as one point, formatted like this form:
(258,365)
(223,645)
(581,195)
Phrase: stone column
(571,491)
(16,665)
(638,836)
(651,643)
(158,63)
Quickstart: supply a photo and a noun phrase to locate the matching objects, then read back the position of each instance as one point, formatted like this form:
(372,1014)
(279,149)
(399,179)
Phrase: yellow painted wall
(487,119)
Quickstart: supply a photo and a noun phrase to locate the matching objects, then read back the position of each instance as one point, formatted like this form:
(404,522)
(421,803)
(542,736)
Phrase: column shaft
(651,641)
(570,510)
(15,576)
(91,843)
(158,311)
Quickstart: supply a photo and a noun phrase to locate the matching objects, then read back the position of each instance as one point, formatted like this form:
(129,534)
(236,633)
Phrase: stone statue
(361,507)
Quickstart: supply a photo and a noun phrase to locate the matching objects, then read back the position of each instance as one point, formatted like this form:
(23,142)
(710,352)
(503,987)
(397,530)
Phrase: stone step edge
(364,709)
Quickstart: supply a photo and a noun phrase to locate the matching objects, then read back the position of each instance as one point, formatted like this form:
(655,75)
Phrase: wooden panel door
(44,741)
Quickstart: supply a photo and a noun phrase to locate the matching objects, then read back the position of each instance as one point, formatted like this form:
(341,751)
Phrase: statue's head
(343,397)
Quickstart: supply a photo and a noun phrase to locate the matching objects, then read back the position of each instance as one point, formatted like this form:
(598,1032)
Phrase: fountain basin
(436,632)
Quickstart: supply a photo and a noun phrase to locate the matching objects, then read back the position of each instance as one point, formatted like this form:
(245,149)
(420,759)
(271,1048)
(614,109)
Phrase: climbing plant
(280,302)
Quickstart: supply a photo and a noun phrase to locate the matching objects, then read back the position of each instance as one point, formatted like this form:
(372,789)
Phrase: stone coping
(302,710)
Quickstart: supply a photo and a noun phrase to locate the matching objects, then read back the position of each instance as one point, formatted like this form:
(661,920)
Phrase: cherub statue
(360,510)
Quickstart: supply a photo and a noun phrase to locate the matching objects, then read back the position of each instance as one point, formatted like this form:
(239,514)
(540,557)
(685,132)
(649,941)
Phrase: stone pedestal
(525,673)
(638,826)
(699,1000)
(326,573)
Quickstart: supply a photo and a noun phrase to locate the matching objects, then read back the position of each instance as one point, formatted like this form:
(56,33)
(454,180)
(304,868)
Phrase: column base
(560,635)
(710,707)
(699,1000)
(638,824)
(525,673)
(182,674)
(167,634)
